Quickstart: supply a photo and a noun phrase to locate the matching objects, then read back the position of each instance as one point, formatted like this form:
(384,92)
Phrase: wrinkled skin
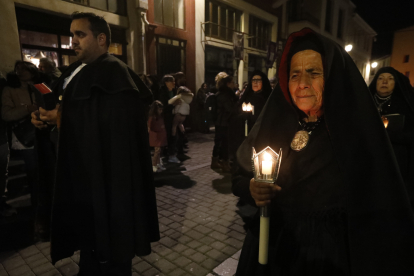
(306,85)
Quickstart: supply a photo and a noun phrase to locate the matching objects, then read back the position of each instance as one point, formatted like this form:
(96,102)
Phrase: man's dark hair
(98,24)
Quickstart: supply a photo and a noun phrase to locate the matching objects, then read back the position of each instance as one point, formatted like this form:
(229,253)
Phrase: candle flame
(244,107)
(385,121)
(249,107)
(267,156)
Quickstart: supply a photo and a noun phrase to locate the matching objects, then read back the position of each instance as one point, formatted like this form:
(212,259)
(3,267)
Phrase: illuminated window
(170,13)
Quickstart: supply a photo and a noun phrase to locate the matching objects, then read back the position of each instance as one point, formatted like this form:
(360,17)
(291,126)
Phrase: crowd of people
(343,201)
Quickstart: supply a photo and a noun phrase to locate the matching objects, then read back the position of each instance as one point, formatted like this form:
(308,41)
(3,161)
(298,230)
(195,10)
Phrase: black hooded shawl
(374,215)
(104,196)
(238,116)
(401,102)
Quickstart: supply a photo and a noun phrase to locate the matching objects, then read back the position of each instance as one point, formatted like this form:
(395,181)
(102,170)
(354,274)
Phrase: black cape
(380,225)
(401,102)
(104,196)
(238,117)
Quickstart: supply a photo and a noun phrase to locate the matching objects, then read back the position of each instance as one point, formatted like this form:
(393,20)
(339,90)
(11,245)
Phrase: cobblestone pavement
(201,233)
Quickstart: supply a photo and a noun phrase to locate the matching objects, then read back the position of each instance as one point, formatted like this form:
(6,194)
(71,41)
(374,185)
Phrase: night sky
(385,17)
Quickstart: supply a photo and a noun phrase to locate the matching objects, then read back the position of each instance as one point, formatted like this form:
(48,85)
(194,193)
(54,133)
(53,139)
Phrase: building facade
(35,29)
(336,20)
(402,56)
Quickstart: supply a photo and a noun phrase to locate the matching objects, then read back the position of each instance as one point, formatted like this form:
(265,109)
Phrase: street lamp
(348,47)
(374,64)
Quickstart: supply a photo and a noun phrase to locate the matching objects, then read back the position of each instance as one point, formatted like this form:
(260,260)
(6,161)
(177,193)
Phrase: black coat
(104,196)
(377,224)
(401,102)
(226,100)
(239,117)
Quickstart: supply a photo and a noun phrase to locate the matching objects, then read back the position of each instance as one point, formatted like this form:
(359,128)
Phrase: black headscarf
(266,88)
(402,87)
(380,222)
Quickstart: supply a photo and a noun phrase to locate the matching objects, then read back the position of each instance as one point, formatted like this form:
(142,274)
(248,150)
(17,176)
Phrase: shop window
(406,58)
(38,39)
(218,60)
(259,32)
(58,48)
(221,20)
(114,6)
(170,13)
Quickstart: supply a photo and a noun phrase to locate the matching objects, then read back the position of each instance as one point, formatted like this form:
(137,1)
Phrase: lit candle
(246,130)
(244,107)
(385,121)
(267,164)
(252,109)
(249,107)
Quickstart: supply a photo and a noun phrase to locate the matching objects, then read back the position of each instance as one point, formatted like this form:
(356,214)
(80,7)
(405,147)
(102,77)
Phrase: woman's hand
(263,192)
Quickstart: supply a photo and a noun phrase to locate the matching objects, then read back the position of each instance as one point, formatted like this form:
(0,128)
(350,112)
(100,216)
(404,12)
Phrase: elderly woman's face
(385,84)
(306,82)
(257,83)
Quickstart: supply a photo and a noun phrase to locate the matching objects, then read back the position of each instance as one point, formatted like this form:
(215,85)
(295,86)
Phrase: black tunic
(345,209)
(104,196)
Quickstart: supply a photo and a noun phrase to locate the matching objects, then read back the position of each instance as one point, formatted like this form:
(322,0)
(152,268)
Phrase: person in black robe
(339,206)
(394,95)
(256,94)
(104,198)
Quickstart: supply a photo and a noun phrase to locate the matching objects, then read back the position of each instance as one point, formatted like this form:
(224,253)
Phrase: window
(223,20)
(170,13)
(304,10)
(114,6)
(339,33)
(259,32)
(406,58)
(37,45)
(328,17)
(170,56)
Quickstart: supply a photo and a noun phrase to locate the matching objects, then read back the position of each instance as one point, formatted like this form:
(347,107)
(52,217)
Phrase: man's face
(385,84)
(44,67)
(306,82)
(84,42)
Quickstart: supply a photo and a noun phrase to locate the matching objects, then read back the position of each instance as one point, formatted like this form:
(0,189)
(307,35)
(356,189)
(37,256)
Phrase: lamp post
(266,165)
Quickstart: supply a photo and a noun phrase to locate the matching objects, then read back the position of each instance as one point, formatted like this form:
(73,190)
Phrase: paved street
(201,233)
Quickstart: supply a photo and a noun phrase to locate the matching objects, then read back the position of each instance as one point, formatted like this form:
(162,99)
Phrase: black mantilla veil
(380,225)
(402,85)
(266,88)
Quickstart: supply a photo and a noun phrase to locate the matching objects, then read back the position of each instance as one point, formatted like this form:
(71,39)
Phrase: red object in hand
(43,88)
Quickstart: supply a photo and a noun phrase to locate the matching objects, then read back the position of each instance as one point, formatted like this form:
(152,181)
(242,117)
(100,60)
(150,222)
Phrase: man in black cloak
(339,206)
(104,199)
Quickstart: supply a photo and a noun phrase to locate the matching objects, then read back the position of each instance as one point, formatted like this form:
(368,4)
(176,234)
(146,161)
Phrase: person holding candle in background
(339,206)
(394,98)
(242,120)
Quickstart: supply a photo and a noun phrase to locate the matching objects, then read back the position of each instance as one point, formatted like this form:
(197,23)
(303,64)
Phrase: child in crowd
(157,134)
(181,110)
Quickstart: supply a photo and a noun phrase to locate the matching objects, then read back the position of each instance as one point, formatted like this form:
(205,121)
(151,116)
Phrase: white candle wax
(245,128)
(267,167)
(264,240)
